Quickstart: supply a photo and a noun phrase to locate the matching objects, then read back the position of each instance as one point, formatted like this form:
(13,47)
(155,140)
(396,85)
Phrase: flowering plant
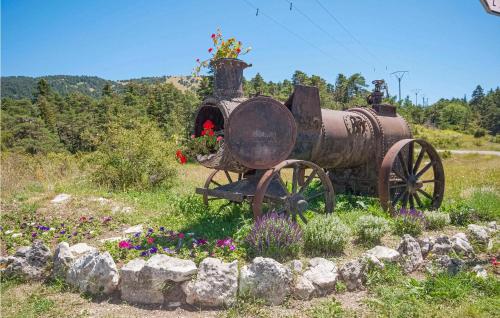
(409,221)
(208,142)
(230,48)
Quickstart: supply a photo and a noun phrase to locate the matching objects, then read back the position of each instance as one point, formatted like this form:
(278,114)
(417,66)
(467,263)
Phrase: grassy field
(29,183)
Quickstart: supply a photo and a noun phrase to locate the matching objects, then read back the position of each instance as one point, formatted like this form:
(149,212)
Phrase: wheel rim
(219,178)
(411,176)
(301,190)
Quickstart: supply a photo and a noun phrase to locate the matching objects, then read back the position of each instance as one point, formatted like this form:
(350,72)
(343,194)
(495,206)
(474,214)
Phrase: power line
(346,30)
(319,27)
(290,30)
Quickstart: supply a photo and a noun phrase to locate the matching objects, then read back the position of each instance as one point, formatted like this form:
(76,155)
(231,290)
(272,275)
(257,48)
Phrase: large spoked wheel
(294,187)
(219,178)
(411,176)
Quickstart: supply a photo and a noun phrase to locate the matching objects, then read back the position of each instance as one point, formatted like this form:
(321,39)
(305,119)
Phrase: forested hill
(18,87)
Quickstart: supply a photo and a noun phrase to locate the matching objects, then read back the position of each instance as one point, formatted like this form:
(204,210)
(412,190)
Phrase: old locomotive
(284,157)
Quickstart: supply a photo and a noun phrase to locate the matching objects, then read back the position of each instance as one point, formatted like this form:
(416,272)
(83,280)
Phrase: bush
(436,220)
(325,235)
(274,236)
(138,158)
(409,222)
(478,133)
(370,229)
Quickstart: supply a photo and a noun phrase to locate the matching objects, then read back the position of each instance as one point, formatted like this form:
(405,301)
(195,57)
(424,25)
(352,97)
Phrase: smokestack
(228,78)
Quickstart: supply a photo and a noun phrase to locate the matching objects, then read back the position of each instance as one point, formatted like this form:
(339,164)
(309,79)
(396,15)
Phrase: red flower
(124,244)
(181,235)
(150,240)
(238,50)
(220,138)
(178,153)
(210,50)
(183,160)
(203,132)
(210,132)
(208,124)
(213,35)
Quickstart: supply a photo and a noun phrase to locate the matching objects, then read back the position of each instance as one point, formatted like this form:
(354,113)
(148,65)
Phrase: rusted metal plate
(261,132)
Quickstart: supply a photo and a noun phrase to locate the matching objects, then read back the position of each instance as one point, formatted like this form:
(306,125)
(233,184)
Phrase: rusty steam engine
(286,157)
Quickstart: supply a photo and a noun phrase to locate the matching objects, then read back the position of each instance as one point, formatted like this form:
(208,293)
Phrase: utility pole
(399,75)
(423,100)
(416,91)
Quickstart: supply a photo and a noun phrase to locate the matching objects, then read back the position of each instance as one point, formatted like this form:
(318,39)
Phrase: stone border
(172,282)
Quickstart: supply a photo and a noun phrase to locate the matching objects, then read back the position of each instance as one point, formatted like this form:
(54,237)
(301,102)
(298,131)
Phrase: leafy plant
(370,229)
(275,236)
(230,48)
(125,160)
(325,235)
(435,220)
(409,222)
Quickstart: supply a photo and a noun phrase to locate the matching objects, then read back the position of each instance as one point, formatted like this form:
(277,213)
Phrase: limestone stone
(94,273)
(411,254)
(323,274)
(384,253)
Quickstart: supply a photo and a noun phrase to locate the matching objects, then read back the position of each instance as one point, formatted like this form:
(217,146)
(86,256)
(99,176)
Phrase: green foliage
(274,236)
(461,215)
(408,225)
(435,220)
(124,160)
(478,133)
(486,204)
(370,229)
(327,309)
(325,235)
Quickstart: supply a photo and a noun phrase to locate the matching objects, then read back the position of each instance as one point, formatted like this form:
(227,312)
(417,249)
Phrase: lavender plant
(436,220)
(325,235)
(274,236)
(409,221)
(370,229)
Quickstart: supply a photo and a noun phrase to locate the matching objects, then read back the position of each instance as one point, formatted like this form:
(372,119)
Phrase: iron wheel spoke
(399,175)
(430,181)
(283,185)
(310,197)
(302,217)
(405,199)
(228,176)
(295,178)
(419,202)
(396,199)
(403,164)
(216,183)
(419,160)
(308,181)
(425,194)
(412,203)
(410,157)
(399,185)
(424,170)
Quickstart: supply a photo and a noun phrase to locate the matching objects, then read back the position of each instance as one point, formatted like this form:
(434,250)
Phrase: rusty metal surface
(260,133)
(359,147)
(404,173)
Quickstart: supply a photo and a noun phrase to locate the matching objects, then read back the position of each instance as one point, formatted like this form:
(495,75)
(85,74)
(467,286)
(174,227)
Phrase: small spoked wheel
(219,178)
(294,187)
(411,176)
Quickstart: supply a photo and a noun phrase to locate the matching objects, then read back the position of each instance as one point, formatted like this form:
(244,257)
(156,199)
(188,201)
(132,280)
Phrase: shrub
(460,213)
(486,204)
(275,236)
(370,229)
(138,158)
(436,220)
(478,133)
(409,222)
(325,235)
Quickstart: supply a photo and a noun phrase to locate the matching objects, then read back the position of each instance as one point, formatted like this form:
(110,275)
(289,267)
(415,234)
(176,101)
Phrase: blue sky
(447,46)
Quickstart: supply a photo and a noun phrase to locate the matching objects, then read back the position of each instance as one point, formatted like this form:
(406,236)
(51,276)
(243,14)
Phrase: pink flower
(213,35)
(124,244)
(193,136)
(181,235)
(210,50)
(150,240)
(232,247)
(220,138)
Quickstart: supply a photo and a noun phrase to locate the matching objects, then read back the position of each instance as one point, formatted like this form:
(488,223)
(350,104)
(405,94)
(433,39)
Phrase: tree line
(76,122)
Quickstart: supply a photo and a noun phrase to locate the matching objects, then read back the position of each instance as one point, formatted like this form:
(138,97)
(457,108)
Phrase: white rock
(302,288)
(134,229)
(65,256)
(371,261)
(30,263)
(94,273)
(8,232)
(164,267)
(480,234)
(137,288)
(323,274)
(216,284)
(426,245)
(492,227)
(354,274)
(61,198)
(461,245)
(384,253)
(267,279)
(411,253)
(480,271)
(295,266)
(17,235)
(441,246)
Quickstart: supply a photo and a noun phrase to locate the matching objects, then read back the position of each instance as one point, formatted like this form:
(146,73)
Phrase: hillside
(19,87)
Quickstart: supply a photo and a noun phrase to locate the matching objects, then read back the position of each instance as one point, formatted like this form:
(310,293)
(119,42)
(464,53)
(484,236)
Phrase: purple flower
(232,247)
(145,253)
(162,228)
(62,224)
(33,234)
(201,241)
(150,230)
(74,233)
(153,250)
(62,232)
(137,234)
(138,247)
(69,236)
(167,250)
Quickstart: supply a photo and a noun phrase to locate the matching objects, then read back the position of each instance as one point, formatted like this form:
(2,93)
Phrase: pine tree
(477,97)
